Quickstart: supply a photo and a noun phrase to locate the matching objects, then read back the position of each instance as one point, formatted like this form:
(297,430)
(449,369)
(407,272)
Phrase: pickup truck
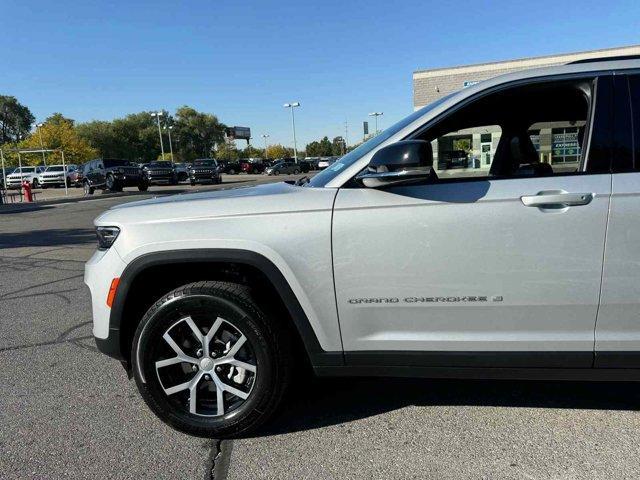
(523,270)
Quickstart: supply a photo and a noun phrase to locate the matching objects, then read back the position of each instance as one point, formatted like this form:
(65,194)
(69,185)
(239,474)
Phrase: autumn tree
(278,151)
(58,133)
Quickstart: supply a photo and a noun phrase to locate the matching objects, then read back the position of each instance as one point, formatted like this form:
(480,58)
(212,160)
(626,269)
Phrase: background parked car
(75,177)
(112,174)
(56,175)
(253,165)
(160,173)
(313,162)
(204,170)
(30,174)
(285,167)
(324,162)
(231,167)
(182,171)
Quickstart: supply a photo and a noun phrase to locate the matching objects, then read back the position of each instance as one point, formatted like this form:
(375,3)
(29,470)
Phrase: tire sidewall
(150,332)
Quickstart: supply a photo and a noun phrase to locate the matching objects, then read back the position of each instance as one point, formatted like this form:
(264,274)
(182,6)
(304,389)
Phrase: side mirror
(401,162)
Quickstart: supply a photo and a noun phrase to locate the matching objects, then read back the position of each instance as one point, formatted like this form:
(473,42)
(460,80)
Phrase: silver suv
(522,263)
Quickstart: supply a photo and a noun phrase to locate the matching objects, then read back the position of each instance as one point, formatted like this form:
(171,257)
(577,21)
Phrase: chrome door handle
(557,199)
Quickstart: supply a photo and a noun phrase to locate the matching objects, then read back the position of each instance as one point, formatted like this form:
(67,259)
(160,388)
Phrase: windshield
(324,177)
(204,163)
(159,164)
(55,168)
(117,163)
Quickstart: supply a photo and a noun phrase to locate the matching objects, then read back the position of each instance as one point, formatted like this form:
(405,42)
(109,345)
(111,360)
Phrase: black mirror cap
(402,155)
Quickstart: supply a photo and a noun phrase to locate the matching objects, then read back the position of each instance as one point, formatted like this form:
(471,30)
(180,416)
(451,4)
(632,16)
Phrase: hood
(272,198)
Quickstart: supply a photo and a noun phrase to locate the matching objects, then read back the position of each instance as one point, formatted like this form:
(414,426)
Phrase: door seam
(604,251)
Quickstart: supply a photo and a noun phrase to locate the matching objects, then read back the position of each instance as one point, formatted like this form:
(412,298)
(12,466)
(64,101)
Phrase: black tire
(112,184)
(68,182)
(88,189)
(276,172)
(34,183)
(143,187)
(266,338)
(296,171)
(43,187)
(232,171)
(193,184)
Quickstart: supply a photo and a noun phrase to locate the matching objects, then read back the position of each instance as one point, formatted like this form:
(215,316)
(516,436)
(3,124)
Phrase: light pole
(44,158)
(376,115)
(158,115)
(293,105)
(265,136)
(170,144)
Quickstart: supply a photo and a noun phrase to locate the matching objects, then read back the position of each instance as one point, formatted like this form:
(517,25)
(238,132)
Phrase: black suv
(111,174)
(204,170)
(156,173)
(231,167)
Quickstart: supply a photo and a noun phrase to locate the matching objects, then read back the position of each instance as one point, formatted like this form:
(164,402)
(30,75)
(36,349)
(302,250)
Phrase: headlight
(106,236)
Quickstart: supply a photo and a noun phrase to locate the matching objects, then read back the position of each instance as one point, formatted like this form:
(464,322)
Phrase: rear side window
(634,93)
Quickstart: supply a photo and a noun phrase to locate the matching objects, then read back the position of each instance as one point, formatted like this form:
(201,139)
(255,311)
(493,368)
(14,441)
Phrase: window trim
(591,77)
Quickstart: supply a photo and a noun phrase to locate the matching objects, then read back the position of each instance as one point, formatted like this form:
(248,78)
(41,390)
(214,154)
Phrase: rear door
(474,270)
(618,324)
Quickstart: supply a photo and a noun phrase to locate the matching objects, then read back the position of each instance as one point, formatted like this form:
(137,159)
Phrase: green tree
(253,152)
(15,120)
(195,134)
(101,136)
(337,146)
(314,149)
(227,151)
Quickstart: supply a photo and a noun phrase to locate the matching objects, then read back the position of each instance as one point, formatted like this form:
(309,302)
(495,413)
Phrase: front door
(500,268)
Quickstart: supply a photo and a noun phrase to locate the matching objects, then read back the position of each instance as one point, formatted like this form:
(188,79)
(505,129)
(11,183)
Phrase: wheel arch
(170,269)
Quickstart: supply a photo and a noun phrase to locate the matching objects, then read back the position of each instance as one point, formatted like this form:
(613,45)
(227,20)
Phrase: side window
(634,93)
(526,131)
(465,153)
(100,166)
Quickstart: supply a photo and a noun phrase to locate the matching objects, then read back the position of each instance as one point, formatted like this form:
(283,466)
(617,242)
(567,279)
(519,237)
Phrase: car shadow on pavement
(332,401)
(49,237)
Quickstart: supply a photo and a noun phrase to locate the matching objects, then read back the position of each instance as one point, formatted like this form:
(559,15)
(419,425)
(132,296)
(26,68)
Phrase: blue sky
(243,60)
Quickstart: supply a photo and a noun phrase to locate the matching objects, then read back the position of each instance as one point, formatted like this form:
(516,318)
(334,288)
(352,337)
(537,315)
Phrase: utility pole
(346,136)
(44,157)
(158,115)
(376,115)
(292,105)
(170,144)
(265,136)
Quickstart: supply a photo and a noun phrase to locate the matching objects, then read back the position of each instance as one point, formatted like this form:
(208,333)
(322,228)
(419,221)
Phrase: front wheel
(143,187)
(296,171)
(209,362)
(34,183)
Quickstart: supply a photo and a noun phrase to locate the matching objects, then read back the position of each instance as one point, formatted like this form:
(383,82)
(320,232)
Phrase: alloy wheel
(206,369)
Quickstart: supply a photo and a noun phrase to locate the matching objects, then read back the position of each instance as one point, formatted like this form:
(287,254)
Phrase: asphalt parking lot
(67,411)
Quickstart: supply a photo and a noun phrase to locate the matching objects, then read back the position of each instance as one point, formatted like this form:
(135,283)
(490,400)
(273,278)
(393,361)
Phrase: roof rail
(605,59)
